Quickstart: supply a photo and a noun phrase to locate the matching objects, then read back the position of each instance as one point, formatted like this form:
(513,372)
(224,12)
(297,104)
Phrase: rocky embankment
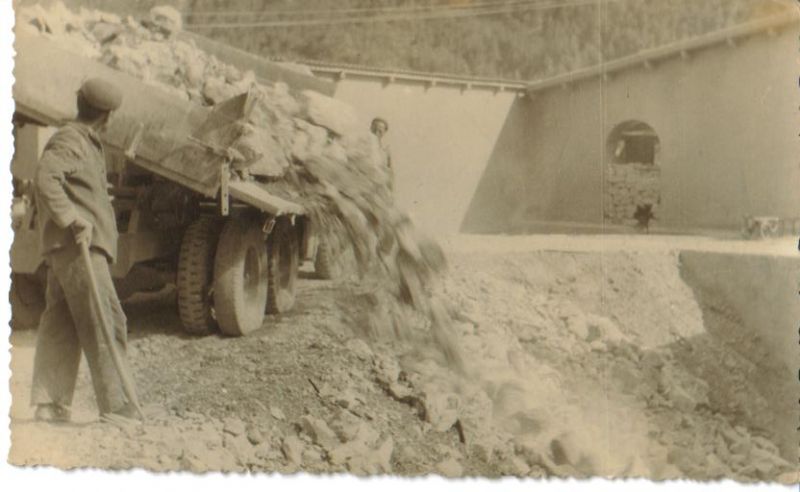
(577,364)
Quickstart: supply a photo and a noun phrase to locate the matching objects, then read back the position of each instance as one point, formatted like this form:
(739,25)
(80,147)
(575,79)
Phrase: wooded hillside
(516,39)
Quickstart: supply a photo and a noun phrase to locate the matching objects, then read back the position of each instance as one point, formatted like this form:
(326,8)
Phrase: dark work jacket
(71,181)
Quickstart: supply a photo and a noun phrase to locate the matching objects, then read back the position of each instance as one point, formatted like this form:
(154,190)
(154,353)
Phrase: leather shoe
(52,412)
(126,413)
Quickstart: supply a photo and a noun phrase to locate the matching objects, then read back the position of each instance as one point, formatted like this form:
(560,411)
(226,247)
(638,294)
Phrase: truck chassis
(232,247)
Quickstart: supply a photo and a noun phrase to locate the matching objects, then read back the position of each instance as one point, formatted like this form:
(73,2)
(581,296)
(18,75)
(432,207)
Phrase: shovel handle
(119,363)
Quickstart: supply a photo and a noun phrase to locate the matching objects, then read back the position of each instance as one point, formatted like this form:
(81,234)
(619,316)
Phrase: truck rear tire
(195,275)
(327,264)
(240,277)
(283,249)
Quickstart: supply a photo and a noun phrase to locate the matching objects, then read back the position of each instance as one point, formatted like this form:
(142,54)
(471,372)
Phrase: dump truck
(231,246)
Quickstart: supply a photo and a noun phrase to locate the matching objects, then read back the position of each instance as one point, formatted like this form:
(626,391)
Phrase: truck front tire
(27,301)
(195,275)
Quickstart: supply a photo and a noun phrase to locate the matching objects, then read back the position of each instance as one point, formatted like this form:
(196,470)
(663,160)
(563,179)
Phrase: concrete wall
(441,138)
(478,161)
(726,120)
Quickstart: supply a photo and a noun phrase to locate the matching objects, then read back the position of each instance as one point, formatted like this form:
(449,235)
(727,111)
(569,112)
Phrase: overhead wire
(268,11)
(464,5)
(520,6)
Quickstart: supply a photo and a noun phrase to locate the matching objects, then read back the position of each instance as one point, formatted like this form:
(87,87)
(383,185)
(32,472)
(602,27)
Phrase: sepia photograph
(528,239)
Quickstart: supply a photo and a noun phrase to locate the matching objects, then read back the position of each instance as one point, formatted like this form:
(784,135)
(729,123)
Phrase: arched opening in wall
(632,191)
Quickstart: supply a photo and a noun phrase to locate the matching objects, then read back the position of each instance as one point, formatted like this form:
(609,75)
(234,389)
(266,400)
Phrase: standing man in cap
(74,207)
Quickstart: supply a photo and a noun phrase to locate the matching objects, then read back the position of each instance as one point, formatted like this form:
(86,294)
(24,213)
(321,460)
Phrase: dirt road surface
(586,356)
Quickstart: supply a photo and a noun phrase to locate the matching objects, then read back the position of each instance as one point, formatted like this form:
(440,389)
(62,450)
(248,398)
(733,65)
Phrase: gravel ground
(579,364)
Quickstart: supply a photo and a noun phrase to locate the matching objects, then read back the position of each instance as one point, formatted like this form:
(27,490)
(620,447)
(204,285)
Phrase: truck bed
(163,125)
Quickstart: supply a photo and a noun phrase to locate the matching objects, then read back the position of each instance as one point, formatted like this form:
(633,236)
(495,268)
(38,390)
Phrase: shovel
(119,363)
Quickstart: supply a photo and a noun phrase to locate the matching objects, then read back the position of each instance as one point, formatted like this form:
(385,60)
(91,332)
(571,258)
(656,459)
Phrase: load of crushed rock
(309,145)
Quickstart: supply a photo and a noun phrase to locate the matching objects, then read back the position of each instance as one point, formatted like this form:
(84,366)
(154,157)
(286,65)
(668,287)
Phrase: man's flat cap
(101,94)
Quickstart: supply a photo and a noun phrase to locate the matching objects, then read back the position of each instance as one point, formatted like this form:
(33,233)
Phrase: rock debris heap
(308,145)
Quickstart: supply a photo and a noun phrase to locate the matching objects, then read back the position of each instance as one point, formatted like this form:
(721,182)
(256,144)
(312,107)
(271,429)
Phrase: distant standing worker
(380,127)
(74,207)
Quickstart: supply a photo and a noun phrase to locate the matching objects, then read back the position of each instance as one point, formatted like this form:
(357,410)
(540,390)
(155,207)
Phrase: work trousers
(70,324)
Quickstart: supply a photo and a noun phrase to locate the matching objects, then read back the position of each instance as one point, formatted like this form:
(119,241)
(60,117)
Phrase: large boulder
(337,116)
(166,19)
